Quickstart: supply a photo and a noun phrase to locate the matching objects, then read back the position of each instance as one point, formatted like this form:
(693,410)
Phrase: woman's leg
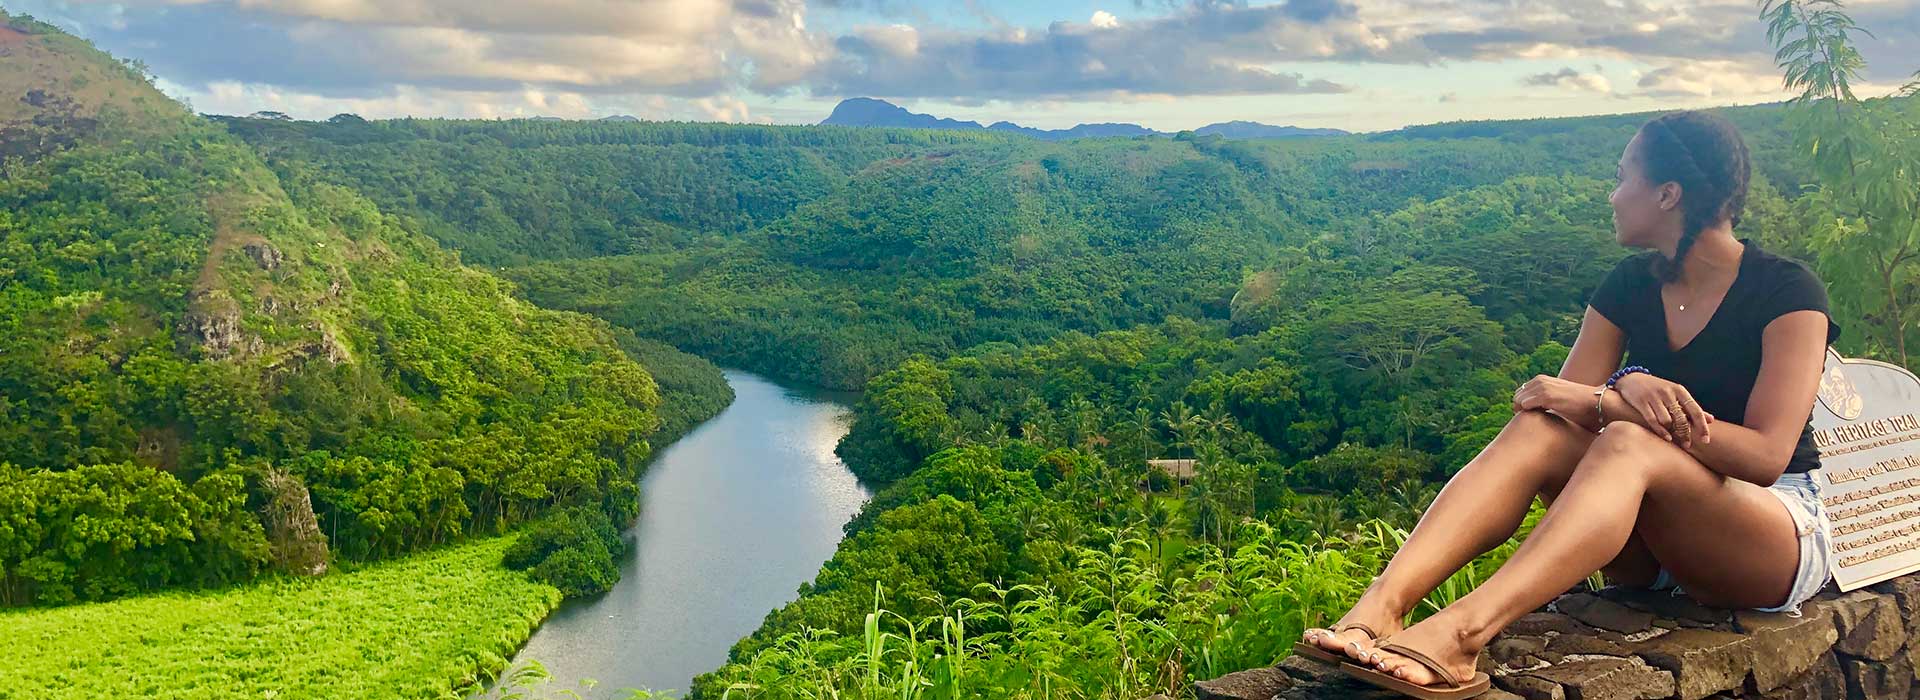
(1729,541)
(1479,508)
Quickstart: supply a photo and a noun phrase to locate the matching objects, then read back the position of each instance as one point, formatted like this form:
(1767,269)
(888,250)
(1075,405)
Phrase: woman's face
(1645,214)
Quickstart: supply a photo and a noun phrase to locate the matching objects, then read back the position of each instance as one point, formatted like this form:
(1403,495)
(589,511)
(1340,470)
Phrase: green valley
(288,407)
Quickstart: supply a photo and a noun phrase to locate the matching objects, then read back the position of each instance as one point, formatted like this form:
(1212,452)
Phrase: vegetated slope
(58,92)
(506,192)
(1017,504)
(437,624)
(189,340)
(828,254)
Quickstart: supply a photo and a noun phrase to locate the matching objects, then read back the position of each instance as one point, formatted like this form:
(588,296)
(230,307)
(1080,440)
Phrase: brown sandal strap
(1424,660)
(1357,626)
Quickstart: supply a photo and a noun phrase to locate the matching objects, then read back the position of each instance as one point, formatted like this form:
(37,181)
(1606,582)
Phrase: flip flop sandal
(1450,688)
(1315,651)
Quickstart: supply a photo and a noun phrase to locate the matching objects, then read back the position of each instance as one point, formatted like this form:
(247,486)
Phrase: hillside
(209,369)
(60,92)
(826,255)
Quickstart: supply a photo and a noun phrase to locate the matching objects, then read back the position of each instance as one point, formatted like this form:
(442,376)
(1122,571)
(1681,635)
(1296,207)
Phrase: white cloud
(894,39)
(1723,80)
(727,109)
(228,97)
(511,57)
(692,47)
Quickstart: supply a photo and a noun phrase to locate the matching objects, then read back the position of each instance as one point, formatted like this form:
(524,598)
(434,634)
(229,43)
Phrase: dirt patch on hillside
(9,35)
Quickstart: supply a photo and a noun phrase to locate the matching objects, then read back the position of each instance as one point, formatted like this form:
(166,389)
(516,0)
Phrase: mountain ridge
(874,112)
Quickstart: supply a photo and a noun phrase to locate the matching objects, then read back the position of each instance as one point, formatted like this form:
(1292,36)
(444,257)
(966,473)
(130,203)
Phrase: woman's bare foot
(1439,637)
(1354,642)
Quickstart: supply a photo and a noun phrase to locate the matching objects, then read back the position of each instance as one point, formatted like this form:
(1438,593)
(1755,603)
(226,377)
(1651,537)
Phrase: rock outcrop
(1634,644)
(293,533)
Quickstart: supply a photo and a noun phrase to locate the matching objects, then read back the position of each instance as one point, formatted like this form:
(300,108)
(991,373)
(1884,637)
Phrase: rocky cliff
(1630,644)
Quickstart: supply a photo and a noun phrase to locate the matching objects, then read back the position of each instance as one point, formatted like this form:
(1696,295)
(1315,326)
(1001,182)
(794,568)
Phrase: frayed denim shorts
(1802,499)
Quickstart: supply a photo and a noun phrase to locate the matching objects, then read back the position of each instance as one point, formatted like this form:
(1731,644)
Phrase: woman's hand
(1667,407)
(1547,392)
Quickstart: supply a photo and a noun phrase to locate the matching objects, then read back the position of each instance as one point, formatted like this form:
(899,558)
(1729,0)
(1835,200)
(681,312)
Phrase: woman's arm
(1596,353)
(1792,350)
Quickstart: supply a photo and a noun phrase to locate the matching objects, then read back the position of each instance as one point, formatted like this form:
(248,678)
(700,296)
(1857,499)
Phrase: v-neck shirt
(1721,363)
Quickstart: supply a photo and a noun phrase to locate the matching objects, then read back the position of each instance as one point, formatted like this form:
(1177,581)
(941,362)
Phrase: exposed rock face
(292,530)
(1631,644)
(212,322)
(264,255)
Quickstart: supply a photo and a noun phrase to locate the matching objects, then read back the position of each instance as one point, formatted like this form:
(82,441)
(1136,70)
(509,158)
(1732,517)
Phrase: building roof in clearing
(1176,468)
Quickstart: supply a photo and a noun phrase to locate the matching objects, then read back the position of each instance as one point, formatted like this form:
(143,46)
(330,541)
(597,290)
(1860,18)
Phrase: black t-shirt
(1720,365)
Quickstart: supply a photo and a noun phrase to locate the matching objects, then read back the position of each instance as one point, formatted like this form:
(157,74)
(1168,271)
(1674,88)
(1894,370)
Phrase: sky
(1360,65)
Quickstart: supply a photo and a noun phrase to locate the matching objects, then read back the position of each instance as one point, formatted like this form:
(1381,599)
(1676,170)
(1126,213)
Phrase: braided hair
(1705,155)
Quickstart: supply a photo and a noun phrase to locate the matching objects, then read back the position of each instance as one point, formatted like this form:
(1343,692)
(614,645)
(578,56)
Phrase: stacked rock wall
(1632,644)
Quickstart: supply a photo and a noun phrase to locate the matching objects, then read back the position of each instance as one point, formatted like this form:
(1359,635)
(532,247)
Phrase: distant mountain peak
(868,111)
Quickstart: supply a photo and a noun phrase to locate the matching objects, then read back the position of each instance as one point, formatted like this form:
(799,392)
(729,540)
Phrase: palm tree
(1157,521)
(1323,516)
(1185,426)
(1033,520)
(1142,425)
(1084,419)
(1206,511)
(1409,501)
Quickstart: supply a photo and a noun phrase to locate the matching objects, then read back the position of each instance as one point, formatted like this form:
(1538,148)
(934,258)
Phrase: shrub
(573,549)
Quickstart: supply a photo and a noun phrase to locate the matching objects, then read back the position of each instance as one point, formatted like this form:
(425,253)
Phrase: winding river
(734,517)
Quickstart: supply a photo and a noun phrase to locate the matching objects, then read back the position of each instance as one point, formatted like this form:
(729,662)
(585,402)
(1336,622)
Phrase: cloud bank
(701,57)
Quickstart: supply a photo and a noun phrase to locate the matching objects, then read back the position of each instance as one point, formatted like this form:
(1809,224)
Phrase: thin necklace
(1691,297)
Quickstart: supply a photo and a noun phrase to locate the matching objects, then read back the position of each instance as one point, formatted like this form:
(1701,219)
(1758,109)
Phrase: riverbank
(432,624)
(735,517)
(440,623)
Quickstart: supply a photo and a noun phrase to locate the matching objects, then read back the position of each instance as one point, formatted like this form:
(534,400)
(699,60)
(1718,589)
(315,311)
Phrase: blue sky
(1167,64)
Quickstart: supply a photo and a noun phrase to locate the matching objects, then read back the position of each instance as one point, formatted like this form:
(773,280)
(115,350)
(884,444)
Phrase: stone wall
(1631,644)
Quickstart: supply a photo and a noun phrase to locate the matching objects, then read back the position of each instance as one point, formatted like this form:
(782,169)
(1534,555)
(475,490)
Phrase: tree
(1180,419)
(1866,162)
(1397,343)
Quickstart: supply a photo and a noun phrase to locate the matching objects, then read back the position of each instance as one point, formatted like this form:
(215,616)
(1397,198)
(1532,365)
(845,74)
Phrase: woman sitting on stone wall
(1688,469)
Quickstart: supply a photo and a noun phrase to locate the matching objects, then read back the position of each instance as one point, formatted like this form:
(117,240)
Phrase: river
(733,518)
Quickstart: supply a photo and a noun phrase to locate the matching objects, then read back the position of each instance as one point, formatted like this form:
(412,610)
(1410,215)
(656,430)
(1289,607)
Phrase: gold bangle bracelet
(1600,407)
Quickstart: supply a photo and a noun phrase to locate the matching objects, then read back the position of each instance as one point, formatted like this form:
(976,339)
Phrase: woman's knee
(1622,436)
(1624,447)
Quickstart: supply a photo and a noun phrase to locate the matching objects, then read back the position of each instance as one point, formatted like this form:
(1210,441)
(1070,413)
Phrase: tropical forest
(404,407)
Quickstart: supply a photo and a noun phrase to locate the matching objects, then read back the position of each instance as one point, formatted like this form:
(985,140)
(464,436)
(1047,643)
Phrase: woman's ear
(1669,194)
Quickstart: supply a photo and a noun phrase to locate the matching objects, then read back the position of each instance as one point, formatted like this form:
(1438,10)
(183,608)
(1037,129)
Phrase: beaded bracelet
(1624,371)
(1600,394)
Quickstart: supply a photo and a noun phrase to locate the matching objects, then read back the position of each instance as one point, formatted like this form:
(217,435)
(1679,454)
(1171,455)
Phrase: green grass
(430,625)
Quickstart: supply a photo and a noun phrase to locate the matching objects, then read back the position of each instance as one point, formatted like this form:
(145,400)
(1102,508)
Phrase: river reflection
(734,517)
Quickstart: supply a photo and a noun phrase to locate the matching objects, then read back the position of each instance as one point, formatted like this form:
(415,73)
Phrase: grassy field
(426,626)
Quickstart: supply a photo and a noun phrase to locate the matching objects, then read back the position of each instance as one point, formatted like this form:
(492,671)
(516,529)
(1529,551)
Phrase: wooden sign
(1867,426)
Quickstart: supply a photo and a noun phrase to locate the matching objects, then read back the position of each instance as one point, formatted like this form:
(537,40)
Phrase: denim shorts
(1802,499)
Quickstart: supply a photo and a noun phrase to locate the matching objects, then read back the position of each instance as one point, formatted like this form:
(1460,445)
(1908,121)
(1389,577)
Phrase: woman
(1691,471)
